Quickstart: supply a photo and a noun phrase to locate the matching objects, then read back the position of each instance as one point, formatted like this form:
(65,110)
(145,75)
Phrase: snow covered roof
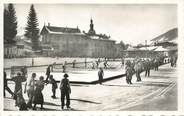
(151,48)
(132,49)
(54,29)
(160,49)
(171,48)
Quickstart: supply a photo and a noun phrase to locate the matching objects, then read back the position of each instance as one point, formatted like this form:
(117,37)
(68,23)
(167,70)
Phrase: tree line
(10,26)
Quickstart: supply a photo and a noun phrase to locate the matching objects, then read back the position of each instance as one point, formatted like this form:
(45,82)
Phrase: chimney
(48,24)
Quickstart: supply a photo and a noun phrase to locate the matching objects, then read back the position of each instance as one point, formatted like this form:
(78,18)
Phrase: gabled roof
(161,49)
(132,49)
(54,29)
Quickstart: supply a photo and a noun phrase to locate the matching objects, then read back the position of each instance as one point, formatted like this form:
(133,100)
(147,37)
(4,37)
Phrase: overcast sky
(131,23)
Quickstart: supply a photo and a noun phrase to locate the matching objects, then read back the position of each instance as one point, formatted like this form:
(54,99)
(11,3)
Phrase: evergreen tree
(10,24)
(32,30)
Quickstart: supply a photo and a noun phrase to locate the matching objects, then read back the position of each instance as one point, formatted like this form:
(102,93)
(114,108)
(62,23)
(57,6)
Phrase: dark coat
(100,74)
(54,84)
(48,71)
(18,84)
(65,86)
(38,96)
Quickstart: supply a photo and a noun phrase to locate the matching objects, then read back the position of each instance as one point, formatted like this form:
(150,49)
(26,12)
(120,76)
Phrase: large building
(71,42)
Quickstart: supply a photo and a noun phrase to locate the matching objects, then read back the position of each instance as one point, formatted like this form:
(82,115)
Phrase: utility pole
(146,49)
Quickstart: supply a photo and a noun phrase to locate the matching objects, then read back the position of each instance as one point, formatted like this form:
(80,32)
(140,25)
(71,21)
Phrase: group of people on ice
(139,65)
(34,89)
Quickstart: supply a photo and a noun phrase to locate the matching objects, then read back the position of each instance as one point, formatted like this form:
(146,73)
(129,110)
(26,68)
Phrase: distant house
(167,41)
(71,42)
(10,50)
(163,45)
(21,48)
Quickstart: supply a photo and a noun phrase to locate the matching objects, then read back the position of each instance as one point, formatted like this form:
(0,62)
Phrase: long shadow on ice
(86,101)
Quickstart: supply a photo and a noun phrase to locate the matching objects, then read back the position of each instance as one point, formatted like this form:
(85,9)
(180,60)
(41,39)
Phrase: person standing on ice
(138,69)
(47,73)
(29,87)
(100,75)
(54,86)
(65,91)
(129,72)
(6,86)
(64,66)
(38,96)
(32,61)
(18,85)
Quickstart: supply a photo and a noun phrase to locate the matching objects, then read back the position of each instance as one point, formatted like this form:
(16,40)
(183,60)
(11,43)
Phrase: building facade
(71,42)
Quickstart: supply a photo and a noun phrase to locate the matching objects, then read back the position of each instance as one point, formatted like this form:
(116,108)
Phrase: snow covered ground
(157,92)
(79,74)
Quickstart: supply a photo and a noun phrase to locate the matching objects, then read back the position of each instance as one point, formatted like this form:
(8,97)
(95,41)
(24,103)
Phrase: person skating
(105,64)
(47,73)
(156,64)
(129,72)
(6,86)
(38,96)
(29,88)
(21,101)
(147,68)
(18,85)
(100,75)
(24,71)
(138,68)
(64,67)
(54,86)
(65,91)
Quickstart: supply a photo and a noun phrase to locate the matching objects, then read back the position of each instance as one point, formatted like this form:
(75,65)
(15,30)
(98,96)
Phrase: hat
(65,75)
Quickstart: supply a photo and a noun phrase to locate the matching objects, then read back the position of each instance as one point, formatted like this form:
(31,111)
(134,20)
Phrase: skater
(138,69)
(147,68)
(105,64)
(52,67)
(122,62)
(47,73)
(100,75)
(73,63)
(65,91)
(156,64)
(64,67)
(32,61)
(18,85)
(171,61)
(6,86)
(85,62)
(97,64)
(93,65)
(129,72)
(24,71)
(29,87)
(38,96)
(54,86)
(21,101)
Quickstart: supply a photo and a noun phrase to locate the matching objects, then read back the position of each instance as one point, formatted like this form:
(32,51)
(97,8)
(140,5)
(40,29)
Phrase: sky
(131,23)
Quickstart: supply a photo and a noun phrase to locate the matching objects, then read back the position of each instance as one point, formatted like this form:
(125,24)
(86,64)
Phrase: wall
(75,45)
